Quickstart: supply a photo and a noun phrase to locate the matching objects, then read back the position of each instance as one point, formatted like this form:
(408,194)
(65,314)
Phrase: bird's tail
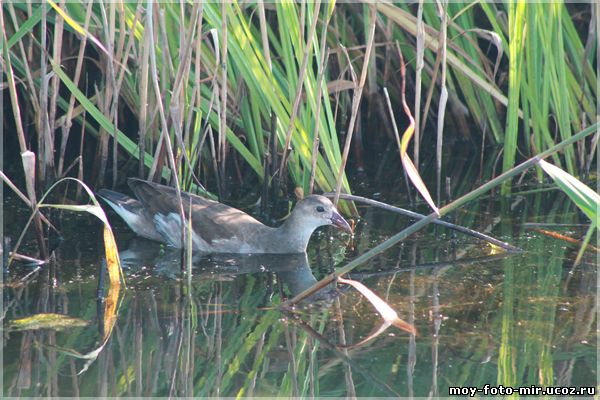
(132,212)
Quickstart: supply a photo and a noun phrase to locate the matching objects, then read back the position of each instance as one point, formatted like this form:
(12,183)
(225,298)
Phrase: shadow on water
(482,317)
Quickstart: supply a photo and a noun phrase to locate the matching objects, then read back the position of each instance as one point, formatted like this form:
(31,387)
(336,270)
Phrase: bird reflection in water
(292,270)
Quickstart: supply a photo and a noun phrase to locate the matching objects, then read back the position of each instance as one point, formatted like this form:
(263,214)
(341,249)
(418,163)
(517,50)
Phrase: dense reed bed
(210,96)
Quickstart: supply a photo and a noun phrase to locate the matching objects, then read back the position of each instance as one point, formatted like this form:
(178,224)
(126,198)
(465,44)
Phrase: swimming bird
(217,228)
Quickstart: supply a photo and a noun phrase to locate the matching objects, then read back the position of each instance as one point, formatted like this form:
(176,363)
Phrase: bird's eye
(320,209)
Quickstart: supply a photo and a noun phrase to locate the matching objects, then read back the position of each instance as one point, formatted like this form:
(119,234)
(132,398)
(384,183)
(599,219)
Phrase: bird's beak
(339,222)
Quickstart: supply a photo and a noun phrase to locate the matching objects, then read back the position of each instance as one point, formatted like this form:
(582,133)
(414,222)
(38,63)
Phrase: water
(482,316)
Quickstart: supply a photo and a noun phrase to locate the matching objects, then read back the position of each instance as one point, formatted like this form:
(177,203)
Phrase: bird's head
(316,210)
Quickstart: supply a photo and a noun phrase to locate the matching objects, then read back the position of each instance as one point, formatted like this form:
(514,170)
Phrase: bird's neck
(295,234)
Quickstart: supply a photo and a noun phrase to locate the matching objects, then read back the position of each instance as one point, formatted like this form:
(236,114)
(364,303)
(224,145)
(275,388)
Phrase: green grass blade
(585,198)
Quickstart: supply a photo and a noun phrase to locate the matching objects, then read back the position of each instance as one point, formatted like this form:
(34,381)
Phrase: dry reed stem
(485,71)
(104,103)
(443,10)
(593,150)
(111,90)
(263,33)
(28,157)
(130,44)
(207,127)
(168,68)
(66,126)
(355,105)
(80,169)
(223,97)
(431,42)
(341,48)
(315,149)
(264,198)
(143,112)
(186,49)
(213,153)
(28,160)
(299,86)
(470,232)
(42,117)
(429,97)
(120,48)
(393,118)
(397,136)
(33,94)
(113,59)
(213,100)
(407,163)
(165,129)
(196,99)
(350,67)
(323,61)
(12,89)
(418,79)
(55,81)
(177,93)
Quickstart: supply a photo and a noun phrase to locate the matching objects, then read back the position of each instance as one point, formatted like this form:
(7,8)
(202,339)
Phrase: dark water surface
(482,316)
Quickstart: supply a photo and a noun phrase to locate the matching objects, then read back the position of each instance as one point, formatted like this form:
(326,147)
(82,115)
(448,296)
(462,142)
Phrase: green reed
(211,86)
(217,88)
(526,81)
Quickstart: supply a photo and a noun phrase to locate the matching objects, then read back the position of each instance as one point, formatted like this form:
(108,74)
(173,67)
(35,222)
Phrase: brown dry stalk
(418,79)
(443,99)
(165,129)
(223,100)
(12,89)
(355,104)
(69,116)
(567,239)
(323,66)
(299,86)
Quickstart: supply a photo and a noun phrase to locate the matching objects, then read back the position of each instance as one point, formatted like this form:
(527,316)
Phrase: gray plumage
(216,227)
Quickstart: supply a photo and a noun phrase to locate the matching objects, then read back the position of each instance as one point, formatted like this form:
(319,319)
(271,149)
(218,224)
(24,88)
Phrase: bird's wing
(211,221)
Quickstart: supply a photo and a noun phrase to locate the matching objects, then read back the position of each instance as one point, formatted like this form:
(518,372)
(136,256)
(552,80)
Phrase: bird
(155,214)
